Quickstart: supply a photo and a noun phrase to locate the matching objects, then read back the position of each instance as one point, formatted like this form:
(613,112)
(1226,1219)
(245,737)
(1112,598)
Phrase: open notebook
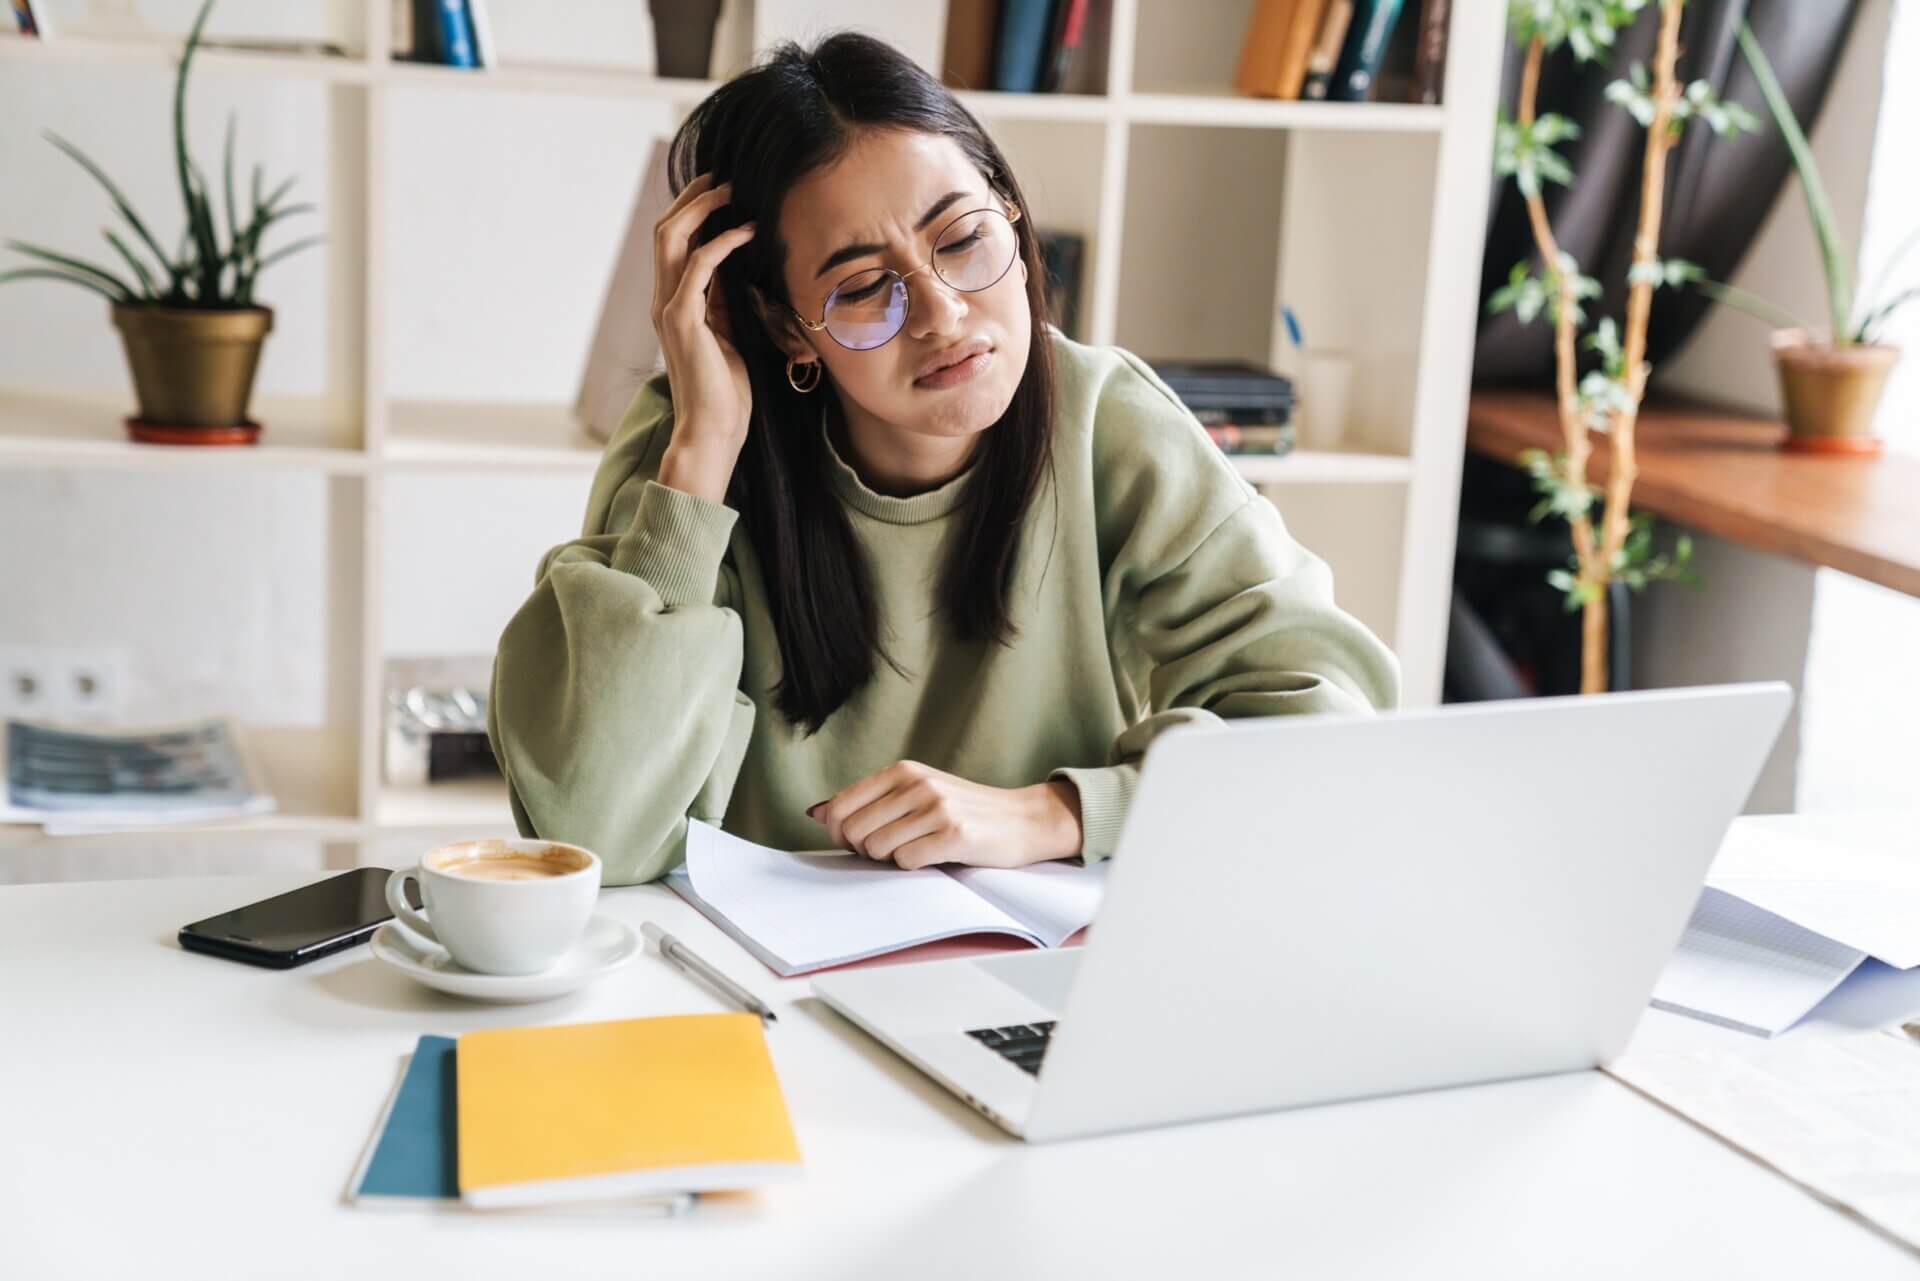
(804,912)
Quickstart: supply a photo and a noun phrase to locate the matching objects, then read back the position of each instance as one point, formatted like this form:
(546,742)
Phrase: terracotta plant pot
(683,37)
(1830,393)
(193,372)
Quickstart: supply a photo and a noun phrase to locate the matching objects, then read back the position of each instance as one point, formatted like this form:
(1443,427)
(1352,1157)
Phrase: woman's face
(882,205)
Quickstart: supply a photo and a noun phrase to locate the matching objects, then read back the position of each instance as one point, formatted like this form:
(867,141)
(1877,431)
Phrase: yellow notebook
(588,1111)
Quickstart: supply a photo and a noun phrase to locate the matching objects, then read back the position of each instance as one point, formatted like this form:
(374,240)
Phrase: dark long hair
(764,131)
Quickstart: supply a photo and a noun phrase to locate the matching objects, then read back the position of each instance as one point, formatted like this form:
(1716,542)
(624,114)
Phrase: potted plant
(188,320)
(1830,379)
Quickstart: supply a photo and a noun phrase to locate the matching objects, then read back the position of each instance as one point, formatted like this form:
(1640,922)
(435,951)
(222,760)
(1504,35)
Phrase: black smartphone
(301,925)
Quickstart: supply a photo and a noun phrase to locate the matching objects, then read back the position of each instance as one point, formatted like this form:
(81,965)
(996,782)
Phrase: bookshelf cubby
(1203,213)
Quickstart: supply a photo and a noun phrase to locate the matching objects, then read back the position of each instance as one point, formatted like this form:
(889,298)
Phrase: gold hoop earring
(809,383)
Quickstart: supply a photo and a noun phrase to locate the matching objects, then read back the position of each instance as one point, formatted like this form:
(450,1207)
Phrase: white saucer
(605,946)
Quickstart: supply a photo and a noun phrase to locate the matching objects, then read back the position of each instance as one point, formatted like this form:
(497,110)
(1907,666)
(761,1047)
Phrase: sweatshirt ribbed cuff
(1105,796)
(676,545)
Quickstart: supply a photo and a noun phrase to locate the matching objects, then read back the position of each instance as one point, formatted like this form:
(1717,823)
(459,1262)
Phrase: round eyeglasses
(971,253)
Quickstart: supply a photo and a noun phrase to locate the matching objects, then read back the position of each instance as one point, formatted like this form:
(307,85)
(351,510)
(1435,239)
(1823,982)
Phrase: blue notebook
(412,1157)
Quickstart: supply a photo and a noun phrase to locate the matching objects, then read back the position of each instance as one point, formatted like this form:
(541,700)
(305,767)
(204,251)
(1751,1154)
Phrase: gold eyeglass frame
(1011,213)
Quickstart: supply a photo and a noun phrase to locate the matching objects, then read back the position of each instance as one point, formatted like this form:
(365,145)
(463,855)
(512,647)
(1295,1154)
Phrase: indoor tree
(1610,542)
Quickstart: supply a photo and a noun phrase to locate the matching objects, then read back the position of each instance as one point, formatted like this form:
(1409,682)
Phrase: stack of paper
(636,1114)
(1784,920)
(1838,1115)
(77,781)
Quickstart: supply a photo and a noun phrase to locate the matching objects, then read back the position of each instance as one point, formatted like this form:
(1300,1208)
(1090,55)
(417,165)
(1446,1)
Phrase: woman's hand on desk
(916,816)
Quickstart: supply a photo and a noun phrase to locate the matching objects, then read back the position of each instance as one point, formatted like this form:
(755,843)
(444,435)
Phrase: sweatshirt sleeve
(1210,598)
(615,709)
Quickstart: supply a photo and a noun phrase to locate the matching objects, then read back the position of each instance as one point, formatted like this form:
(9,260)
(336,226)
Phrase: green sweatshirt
(633,689)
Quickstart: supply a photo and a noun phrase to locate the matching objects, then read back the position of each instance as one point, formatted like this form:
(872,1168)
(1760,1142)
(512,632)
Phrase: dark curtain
(1717,191)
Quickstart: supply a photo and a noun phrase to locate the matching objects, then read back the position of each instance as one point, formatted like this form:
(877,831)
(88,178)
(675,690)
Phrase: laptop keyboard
(1021,1044)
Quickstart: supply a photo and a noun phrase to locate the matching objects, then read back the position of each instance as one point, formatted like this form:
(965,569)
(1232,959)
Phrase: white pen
(682,958)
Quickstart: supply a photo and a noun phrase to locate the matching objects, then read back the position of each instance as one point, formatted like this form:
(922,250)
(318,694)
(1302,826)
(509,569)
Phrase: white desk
(169,1114)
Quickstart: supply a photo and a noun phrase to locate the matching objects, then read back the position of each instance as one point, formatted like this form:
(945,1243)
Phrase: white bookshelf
(1202,212)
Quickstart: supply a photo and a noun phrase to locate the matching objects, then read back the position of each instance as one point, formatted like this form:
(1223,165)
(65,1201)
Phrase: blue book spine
(1020,46)
(456,34)
(415,1153)
(1365,47)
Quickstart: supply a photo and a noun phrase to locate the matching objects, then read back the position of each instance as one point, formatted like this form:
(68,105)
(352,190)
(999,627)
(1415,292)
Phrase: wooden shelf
(1311,466)
(309,773)
(1216,108)
(441,434)
(164,52)
(477,806)
(1726,474)
(581,78)
(48,428)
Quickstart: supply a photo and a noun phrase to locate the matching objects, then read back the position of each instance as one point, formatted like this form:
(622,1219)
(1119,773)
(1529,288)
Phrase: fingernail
(814,807)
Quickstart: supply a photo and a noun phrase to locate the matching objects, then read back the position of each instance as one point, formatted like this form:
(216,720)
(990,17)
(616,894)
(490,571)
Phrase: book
(73,781)
(1020,45)
(1237,438)
(1302,26)
(411,1157)
(802,912)
(1231,386)
(1365,49)
(1064,45)
(411,1160)
(632,1107)
(481,24)
(30,16)
(453,34)
(1430,55)
(967,62)
(625,351)
(1061,253)
(1326,50)
(400,41)
(1263,47)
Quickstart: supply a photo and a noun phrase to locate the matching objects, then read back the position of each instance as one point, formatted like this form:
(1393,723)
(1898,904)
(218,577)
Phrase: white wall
(1860,694)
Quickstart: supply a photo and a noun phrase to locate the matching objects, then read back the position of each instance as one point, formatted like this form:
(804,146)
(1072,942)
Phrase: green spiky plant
(1854,317)
(203,273)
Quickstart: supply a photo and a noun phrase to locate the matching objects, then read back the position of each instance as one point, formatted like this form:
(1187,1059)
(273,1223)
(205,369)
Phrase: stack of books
(634,1114)
(1022,46)
(1245,409)
(452,33)
(1344,50)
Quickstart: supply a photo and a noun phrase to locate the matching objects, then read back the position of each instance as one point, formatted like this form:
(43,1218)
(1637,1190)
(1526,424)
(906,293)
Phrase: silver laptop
(1304,909)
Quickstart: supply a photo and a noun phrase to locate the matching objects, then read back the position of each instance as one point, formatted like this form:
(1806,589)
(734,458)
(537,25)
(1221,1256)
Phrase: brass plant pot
(1830,393)
(193,371)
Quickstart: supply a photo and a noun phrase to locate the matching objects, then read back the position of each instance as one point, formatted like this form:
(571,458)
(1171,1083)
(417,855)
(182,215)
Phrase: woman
(883,563)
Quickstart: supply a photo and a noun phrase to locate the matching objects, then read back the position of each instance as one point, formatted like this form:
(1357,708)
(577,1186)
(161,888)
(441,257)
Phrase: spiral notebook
(803,912)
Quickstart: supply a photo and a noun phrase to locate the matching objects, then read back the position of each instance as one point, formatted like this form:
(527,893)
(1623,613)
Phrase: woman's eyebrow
(848,253)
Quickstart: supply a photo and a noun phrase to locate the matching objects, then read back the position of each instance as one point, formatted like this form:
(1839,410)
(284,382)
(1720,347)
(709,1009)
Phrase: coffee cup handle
(408,920)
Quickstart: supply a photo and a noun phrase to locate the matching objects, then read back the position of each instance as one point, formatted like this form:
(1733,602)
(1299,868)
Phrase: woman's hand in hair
(705,373)
(916,816)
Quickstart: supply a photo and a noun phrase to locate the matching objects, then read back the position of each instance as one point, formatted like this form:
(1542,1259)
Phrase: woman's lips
(953,375)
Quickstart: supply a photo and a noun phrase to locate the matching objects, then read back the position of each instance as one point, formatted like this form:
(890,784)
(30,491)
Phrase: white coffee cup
(501,906)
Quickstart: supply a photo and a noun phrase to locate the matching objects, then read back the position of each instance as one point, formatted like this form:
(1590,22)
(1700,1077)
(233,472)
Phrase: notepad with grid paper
(1743,967)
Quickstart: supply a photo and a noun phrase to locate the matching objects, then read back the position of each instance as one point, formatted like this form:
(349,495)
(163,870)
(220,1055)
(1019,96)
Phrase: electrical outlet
(28,684)
(63,684)
(93,684)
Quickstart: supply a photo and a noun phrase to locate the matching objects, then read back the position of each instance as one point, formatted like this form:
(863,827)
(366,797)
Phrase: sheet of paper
(813,910)
(1055,900)
(1838,1115)
(1743,967)
(1848,890)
